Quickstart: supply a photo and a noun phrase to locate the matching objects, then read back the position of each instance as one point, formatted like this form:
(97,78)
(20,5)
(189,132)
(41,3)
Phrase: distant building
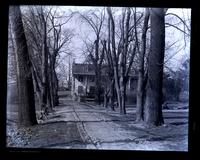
(83,81)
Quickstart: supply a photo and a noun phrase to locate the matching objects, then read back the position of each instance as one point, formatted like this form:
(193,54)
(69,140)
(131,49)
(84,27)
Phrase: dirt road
(87,126)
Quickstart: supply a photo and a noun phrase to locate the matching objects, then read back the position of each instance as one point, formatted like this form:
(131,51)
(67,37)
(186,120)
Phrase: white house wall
(84,84)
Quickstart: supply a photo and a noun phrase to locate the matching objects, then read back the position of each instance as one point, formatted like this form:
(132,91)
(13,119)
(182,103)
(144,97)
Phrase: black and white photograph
(98,78)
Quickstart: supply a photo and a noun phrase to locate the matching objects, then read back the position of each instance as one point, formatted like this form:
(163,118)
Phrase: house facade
(83,81)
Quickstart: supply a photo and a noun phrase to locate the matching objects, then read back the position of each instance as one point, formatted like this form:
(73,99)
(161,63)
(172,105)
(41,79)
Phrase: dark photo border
(101,154)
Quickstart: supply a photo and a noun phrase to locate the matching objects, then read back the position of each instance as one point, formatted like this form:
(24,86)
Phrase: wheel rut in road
(82,131)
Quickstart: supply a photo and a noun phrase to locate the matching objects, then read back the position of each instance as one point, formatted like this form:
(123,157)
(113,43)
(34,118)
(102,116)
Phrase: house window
(92,90)
(80,78)
(91,79)
(90,68)
(80,89)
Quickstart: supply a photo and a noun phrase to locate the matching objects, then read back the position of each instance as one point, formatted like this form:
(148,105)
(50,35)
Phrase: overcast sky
(82,31)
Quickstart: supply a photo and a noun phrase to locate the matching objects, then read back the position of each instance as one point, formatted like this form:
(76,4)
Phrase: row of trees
(123,59)
(133,41)
(38,38)
(115,46)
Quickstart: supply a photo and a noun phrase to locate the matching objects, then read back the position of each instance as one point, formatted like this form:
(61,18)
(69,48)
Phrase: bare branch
(179,19)
(177,28)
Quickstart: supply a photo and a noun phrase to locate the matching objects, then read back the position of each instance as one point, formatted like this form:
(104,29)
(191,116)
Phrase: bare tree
(96,56)
(26,110)
(36,30)
(109,87)
(111,69)
(46,38)
(141,79)
(123,55)
(11,57)
(59,39)
(114,60)
(153,102)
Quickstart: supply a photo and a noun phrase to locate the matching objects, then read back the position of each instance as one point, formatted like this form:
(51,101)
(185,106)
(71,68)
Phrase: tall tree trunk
(114,57)
(111,95)
(105,103)
(123,61)
(153,102)
(44,66)
(117,87)
(121,95)
(26,107)
(97,70)
(49,97)
(53,81)
(56,88)
(140,85)
(111,72)
(36,88)
(98,85)
(123,99)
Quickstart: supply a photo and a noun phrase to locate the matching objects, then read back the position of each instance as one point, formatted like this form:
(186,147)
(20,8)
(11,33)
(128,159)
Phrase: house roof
(83,69)
(88,69)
